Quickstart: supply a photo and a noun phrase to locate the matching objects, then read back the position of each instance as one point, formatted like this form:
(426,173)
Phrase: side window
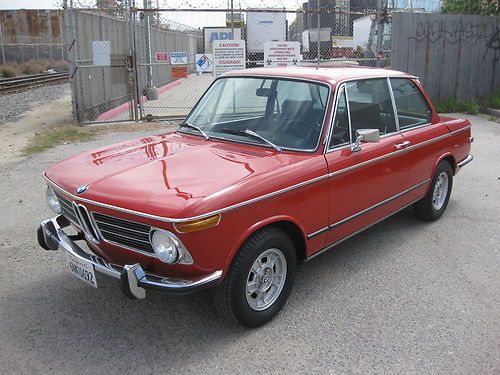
(370,106)
(340,128)
(410,104)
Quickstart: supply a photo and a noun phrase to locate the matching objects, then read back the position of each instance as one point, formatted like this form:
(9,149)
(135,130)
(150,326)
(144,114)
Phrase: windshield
(271,112)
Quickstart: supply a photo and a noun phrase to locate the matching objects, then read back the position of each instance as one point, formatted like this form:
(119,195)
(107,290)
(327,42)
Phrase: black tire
(230,298)
(425,209)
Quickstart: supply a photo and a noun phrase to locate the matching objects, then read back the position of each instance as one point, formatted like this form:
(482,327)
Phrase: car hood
(175,175)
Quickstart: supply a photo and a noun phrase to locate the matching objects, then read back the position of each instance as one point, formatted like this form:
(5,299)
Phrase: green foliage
(480,7)
(493,101)
(57,136)
(454,105)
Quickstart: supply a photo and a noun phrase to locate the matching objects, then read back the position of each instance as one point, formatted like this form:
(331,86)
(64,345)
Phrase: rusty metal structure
(31,34)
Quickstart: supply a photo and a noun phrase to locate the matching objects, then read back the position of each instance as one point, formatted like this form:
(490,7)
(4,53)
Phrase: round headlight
(52,200)
(164,247)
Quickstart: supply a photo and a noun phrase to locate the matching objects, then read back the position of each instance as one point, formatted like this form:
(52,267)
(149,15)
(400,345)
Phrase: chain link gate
(120,59)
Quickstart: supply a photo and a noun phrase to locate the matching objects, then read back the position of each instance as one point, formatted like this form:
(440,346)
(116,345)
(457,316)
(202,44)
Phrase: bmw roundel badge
(82,189)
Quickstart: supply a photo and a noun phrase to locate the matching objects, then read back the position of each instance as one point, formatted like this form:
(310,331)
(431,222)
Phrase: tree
(482,7)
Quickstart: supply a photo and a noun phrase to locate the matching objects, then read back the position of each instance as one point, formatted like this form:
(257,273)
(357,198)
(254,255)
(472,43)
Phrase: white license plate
(82,269)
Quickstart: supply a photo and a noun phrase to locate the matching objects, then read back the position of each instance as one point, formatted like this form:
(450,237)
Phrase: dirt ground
(402,297)
(14,136)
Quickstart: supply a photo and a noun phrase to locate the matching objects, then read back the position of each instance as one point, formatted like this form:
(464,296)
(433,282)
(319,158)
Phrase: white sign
(263,27)
(204,62)
(101,52)
(324,35)
(219,33)
(229,55)
(178,58)
(305,41)
(281,53)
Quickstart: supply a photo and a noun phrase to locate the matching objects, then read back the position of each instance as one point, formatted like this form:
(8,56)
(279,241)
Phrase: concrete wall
(31,34)
(455,56)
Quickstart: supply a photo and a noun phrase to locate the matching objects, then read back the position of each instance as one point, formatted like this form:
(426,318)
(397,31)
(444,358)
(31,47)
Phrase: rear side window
(411,106)
(370,106)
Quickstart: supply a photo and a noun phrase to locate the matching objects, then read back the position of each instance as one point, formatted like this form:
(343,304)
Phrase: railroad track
(8,85)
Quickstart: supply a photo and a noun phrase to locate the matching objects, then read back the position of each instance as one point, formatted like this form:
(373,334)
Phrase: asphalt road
(403,297)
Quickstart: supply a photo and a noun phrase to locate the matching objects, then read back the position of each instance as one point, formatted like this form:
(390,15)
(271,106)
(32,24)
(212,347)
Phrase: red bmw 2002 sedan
(271,168)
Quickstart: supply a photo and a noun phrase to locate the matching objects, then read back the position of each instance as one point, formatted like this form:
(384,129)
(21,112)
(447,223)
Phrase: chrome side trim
(375,206)
(253,200)
(174,220)
(366,210)
(325,249)
(318,232)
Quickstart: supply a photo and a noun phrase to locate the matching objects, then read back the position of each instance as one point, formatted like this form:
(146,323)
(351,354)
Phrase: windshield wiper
(188,125)
(251,133)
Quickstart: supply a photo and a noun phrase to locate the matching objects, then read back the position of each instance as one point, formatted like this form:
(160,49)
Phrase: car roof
(327,74)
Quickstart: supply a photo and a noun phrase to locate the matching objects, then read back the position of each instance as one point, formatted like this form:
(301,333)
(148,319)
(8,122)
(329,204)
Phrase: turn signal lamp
(197,225)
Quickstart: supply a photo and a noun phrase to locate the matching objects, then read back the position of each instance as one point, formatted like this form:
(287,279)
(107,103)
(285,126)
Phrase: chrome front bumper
(134,280)
(464,162)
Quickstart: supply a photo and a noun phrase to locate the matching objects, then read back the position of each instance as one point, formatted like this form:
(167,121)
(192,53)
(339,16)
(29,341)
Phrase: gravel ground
(402,297)
(13,106)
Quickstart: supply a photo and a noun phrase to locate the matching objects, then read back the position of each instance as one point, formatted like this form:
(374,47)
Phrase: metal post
(232,18)
(69,23)
(378,47)
(133,58)
(3,43)
(151,90)
(319,43)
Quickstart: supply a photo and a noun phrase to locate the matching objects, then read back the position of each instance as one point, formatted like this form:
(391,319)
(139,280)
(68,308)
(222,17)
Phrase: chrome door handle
(399,146)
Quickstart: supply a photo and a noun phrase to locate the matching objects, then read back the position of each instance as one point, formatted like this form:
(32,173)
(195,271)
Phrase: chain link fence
(133,62)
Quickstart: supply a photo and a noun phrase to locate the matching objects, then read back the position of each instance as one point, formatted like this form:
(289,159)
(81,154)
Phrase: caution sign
(281,53)
(228,55)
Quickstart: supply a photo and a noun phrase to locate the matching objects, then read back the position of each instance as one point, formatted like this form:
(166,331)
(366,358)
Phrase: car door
(366,185)
(424,134)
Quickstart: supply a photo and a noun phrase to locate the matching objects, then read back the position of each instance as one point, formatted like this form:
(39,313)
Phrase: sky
(27,4)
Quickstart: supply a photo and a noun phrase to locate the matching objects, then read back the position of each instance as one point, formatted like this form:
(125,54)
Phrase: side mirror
(365,135)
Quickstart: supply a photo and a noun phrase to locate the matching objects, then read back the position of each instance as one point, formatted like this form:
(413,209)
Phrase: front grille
(123,232)
(67,209)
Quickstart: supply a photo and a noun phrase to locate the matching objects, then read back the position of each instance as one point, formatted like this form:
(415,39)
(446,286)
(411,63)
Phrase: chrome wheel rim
(266,279)
(440,191)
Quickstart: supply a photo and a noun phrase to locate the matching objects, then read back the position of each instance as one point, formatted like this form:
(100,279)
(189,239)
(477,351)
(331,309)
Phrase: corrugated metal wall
(455,56)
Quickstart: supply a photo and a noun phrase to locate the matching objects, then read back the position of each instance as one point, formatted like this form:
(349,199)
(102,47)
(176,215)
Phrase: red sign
(179,72)
(161,56)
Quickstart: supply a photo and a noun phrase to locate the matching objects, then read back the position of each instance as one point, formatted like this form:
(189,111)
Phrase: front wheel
(259,280)
(432,206)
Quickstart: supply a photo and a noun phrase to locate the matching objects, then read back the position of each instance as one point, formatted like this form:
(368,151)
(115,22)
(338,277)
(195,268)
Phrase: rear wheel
(432,206)
(259,280)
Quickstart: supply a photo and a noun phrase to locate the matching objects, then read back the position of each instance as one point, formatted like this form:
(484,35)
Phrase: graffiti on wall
(486,34)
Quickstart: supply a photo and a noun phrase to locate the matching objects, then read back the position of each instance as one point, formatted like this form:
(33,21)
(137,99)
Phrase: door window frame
(342,86)
(411,79)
